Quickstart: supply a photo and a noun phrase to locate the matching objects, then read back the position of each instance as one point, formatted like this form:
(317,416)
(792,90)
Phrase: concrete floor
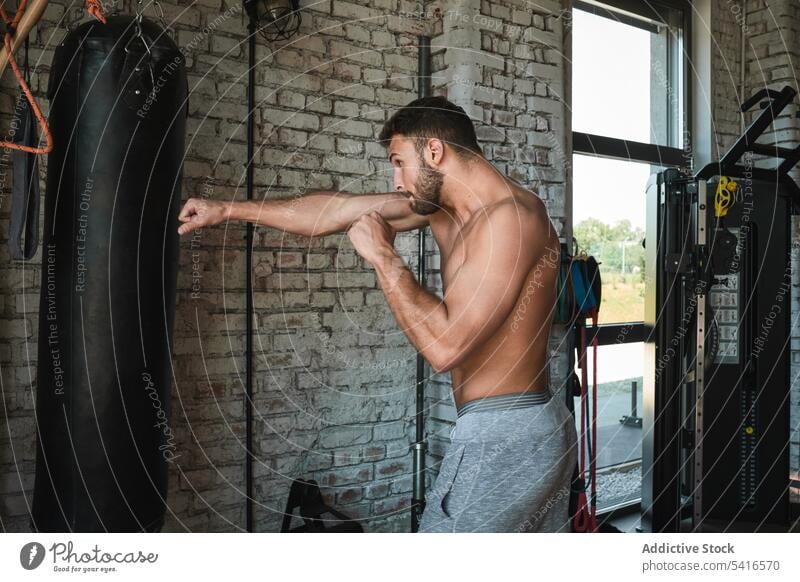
(617,443)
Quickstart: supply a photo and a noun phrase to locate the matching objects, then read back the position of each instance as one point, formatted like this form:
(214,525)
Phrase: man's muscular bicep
(394,207)
(411,222)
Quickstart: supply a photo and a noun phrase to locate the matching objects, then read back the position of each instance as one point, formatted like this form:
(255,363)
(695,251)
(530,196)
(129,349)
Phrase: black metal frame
(632,19)
(420,447)
(602,146)
(617,333)
(647,15)
(686,409)
(251,84)
(772,103)
(667,235)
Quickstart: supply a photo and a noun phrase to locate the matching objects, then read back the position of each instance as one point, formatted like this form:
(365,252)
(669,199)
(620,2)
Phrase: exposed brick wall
(333,375)
(725,75)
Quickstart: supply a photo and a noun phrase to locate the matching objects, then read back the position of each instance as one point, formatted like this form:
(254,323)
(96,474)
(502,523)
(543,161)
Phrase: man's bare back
(515,358)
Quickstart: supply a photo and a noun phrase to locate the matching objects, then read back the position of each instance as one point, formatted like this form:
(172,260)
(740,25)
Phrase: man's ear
(434,150)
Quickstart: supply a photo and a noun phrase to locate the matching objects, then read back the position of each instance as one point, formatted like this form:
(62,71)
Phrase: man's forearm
(421,314)
(319,212)
(311,214)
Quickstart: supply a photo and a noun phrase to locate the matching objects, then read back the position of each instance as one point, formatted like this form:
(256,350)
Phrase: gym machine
(715,449)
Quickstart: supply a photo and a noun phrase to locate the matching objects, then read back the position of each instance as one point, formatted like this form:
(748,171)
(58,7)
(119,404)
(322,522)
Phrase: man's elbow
(438,367)
(320,231)
(444,360)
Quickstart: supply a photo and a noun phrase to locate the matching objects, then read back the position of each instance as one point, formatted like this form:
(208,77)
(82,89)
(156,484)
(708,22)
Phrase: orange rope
(93,7)
(17,16)
(36,111)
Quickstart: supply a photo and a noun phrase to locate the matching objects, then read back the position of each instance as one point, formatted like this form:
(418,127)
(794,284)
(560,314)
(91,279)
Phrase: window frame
(644,15)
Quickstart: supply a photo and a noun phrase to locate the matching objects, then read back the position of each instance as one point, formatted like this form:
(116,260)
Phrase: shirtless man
(513,448)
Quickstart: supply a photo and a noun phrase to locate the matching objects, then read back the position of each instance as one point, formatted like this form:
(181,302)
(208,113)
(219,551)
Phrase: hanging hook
(159,9)
(137,35)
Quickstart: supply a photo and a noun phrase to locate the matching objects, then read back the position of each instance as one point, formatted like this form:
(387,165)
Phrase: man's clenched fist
(372,237)
(198,212)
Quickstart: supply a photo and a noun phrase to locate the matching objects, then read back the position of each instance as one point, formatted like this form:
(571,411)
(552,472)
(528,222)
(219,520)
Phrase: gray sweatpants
(508,468)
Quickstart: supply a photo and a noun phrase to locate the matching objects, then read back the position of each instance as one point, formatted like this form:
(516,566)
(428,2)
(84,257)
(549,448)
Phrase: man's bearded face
(428,188)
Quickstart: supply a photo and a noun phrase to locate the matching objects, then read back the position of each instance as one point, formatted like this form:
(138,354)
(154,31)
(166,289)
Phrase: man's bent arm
(500,251)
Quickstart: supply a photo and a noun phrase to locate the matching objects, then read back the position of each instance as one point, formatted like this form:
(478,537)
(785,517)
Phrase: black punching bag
(109,267)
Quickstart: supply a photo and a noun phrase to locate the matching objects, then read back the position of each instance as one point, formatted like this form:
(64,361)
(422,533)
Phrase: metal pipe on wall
(251,87)
(742,63)
(419,446)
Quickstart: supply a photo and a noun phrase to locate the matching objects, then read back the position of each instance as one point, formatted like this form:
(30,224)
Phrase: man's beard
(428,189)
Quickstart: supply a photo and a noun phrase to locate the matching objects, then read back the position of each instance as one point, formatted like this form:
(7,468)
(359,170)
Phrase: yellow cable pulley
(725,197)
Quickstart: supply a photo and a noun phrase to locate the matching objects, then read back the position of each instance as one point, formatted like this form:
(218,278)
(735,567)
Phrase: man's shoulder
(512,212)
(505,223)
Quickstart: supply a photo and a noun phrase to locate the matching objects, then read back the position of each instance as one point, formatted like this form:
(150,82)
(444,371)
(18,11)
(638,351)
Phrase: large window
(627,73)
(609,218)
(628,119)
(629,114)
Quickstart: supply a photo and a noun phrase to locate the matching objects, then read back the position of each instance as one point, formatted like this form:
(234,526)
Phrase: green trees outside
(619,251)
(618,247)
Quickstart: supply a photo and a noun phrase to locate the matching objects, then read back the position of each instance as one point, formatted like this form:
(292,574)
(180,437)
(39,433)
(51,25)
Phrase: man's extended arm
(316,213)
(500,252)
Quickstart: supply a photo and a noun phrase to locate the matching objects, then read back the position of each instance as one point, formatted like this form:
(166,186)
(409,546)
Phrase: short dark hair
(433,117)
